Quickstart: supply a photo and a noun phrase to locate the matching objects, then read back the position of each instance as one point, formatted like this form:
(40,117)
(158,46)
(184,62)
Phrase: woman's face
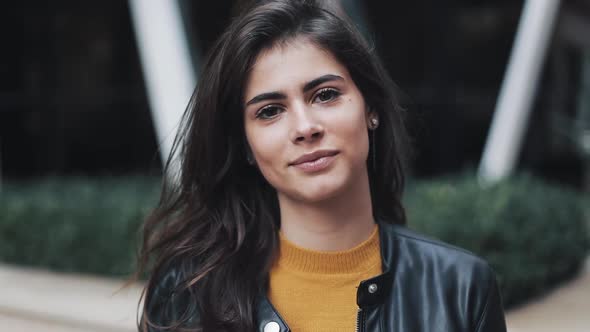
(305,122)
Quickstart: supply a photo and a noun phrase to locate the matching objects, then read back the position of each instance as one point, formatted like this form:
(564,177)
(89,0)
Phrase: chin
(317,189)
(316,192)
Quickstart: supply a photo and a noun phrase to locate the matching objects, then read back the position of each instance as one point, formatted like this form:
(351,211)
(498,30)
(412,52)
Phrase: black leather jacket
(426,286)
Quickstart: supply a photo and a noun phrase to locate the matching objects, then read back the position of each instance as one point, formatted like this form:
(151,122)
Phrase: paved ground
(36,300)
(566,308)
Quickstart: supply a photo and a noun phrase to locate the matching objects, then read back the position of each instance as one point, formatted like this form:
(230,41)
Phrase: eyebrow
(308,86)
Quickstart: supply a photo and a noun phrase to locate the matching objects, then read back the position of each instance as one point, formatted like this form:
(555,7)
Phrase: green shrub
(76,224)
(534,235)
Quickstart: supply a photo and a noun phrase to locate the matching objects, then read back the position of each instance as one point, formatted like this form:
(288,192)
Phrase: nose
(306,128)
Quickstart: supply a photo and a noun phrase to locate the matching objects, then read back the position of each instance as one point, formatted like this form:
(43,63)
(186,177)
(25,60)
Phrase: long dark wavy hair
(215,228)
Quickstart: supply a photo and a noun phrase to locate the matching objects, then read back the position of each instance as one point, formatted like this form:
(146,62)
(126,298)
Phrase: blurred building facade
(73,99)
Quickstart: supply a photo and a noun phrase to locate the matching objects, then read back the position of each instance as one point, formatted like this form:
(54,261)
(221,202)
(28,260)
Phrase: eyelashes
(326,94)
(322,96)
(268,112)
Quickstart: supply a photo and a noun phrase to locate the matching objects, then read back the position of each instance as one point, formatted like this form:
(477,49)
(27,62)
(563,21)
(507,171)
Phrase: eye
(326,95)
(268,112)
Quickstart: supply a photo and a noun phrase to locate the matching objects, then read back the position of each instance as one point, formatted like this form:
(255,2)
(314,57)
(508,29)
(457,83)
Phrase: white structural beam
(166,62)
(518,89)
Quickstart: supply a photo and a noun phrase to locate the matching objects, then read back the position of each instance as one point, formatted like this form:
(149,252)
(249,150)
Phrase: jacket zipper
(360,320)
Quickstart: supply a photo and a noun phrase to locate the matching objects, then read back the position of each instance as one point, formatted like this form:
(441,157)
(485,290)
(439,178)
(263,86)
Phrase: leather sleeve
(166,305)
(491,318)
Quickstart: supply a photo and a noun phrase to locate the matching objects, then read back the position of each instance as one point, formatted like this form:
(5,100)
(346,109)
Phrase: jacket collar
(388,246)
(374,291)
(269,320)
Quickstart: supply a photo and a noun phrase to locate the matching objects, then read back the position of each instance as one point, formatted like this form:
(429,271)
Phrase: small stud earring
(373,123)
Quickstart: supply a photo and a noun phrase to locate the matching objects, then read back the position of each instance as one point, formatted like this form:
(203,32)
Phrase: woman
(287,212)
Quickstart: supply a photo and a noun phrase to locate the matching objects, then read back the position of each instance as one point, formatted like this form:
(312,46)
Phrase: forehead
(289,65)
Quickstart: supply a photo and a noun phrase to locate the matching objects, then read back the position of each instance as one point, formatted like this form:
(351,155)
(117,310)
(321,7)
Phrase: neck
(339,223)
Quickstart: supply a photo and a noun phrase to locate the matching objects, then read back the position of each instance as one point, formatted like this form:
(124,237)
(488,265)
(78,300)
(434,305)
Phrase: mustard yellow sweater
(315,290)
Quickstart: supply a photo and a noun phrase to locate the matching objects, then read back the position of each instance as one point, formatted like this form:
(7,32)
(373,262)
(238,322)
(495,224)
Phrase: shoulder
(461,280)
(167,300)
(163,284)
(410,245)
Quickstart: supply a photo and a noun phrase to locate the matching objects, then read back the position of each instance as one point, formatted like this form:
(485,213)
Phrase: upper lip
(313,156)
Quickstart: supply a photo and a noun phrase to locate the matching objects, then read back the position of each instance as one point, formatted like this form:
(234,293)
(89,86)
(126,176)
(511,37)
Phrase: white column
(518,89)
(167,68)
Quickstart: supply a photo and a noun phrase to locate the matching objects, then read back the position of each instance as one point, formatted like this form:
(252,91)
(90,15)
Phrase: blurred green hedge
(533,234)
(75,224)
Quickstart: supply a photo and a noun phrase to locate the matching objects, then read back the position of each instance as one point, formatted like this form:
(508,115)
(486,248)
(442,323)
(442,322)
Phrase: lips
(310,157)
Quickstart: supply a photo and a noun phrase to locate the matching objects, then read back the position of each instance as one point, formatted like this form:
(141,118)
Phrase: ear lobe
(372,120)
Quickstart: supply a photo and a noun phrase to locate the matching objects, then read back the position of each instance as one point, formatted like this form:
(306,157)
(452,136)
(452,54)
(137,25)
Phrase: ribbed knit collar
(355,260)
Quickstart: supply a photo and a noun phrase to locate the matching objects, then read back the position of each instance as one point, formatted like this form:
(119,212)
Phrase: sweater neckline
(358,259)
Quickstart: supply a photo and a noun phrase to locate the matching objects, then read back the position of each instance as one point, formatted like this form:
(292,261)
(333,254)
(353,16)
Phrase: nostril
(311,133)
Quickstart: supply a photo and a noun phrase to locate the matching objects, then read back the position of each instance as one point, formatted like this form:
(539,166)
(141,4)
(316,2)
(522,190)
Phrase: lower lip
(316,165)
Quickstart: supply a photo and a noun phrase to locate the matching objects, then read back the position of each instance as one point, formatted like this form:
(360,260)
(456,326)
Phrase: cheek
(360,140)
(265,144)
(355,136)
(354,130)
(265,151)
